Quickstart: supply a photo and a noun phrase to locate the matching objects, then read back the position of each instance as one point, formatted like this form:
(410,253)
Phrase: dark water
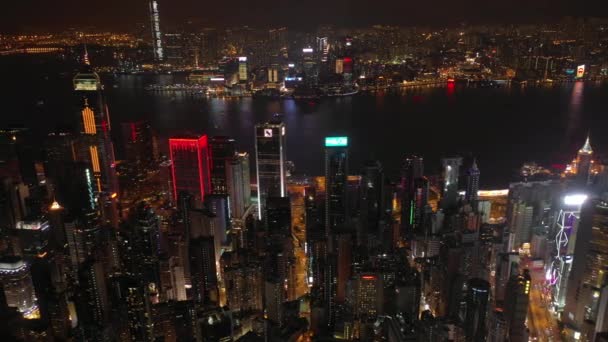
(501,127)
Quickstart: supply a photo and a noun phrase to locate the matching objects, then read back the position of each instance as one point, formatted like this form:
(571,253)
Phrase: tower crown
(586,149)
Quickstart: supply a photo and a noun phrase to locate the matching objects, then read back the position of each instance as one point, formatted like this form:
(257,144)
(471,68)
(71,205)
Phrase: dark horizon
(115,15)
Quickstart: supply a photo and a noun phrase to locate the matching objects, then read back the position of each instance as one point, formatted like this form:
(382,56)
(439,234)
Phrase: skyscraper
(589,273)
(472,184)
(238,184)
(583,163)
(270,161)
(96,148)
(190,166)
(336,173)
(157,44)
(18,288)
(516,306)
(478,292)
(412,169)
(451,173)
(222,151)
(203,269)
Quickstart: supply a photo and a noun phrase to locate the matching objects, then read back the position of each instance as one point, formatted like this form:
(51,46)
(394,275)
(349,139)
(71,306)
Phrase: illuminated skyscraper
(336,173)
(583,163)
(412,169)
(18,288)
(270,161)
(157,44)
(451,173)
(243,73)
(97,149)
(190,166)
(472,184)
(587,280)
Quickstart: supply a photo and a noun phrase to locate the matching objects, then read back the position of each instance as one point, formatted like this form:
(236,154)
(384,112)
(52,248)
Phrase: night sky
(20,15)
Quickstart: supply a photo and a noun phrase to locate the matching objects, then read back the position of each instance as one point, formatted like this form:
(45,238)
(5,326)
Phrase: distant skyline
(39,15)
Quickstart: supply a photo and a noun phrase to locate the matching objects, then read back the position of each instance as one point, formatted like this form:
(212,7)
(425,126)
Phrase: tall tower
(451,173)
(412,169)
(472,184)
(222,151)
(238,184)
(97,149)
(583,162)
(157,44)
(336,173)
(190,166)
(589,274)
(270,161)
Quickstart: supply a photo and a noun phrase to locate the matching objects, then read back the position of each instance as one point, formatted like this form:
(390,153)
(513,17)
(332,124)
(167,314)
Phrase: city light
(575,199)
(336,141)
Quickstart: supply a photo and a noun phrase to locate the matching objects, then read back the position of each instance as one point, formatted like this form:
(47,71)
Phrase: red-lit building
(191,164)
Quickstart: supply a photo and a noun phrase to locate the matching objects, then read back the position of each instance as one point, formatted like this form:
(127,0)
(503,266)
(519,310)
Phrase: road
(541,322)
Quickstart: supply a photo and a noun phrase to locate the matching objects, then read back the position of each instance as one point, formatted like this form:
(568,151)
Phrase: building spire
(86,56)
(587,147)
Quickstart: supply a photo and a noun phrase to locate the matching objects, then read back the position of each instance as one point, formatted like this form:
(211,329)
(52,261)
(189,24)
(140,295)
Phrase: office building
(238,184)
(190,166)
(411,170)
(516,306)
(451,174)
(18,287)
(222,150)
(96,145)
(478,292)
(270,162)
(588,276)
(472,184)
(203,270)
(157,38)
(336,174)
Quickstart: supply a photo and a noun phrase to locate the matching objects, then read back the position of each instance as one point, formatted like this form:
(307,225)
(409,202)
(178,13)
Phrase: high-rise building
(583,163)
(157,40)
(243,73)
(372,197)
(516,306)
(190,166)
(174,48)
(203,270)
(412,169)
(472,184)
(369,295)
(478,292)
(97,149)
(278,218)
(18,287)
(589,271)
(270,161)
(336,174)
(141,150)
(238,184)
(93,301)
(222,151)
(451,173)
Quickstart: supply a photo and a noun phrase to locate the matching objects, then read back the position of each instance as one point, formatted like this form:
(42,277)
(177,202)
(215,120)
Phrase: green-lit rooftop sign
(336,141)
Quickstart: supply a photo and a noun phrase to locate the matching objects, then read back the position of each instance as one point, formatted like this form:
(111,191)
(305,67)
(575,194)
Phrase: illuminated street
(542,324)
